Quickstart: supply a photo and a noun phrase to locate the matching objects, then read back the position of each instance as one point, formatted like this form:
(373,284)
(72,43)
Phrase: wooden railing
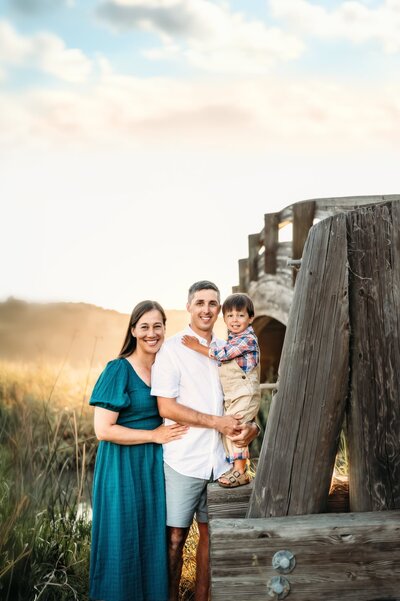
(268,256)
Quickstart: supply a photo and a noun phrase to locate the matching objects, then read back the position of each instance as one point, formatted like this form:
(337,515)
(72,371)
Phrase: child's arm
(193,343)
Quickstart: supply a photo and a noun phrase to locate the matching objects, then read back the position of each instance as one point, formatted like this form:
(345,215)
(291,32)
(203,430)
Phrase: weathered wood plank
(374,405)
(228,502)
(271,241)
(243,274)
(303,217)
(351,556)
(299,447)
(254,247)
(231,503)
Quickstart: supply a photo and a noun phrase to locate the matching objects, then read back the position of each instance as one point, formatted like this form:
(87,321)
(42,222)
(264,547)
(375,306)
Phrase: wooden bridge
(269,272)
(339,370)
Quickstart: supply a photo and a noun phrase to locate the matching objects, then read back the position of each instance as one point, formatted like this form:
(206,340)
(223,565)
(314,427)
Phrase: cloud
(269,112)
(209,36)
(31,7)
(167,17)
(44,51)
(351,20)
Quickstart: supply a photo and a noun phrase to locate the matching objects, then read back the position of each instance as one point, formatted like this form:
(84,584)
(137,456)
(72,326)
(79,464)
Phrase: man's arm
(227,424)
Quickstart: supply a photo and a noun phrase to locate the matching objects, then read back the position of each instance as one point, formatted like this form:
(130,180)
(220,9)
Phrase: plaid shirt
(242,347)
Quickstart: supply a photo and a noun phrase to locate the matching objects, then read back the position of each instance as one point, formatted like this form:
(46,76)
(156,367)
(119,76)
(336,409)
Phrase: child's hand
(191,342)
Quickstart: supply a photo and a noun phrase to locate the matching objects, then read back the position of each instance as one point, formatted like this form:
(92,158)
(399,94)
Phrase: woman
(128,553)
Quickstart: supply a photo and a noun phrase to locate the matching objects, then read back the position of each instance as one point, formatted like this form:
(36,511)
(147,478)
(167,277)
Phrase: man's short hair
(202,285)
(240,302)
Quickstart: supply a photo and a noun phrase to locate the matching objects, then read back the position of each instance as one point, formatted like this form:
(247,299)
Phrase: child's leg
(247,406)
(236,456)
(240,465)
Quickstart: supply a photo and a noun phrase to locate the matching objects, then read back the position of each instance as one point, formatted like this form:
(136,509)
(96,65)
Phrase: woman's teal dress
(129,553)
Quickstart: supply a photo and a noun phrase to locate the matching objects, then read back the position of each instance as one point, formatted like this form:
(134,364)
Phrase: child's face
(237,320)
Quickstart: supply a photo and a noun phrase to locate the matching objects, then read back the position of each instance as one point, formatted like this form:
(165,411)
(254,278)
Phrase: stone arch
(271,334)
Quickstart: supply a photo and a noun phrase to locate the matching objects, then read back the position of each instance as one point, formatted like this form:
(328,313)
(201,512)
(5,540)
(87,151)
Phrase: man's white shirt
(192,379)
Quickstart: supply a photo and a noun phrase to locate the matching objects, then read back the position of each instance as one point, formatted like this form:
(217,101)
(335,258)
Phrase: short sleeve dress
(128,553)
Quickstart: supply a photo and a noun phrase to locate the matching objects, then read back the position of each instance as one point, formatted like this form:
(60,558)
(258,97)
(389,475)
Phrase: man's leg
(202,565)
(176,542)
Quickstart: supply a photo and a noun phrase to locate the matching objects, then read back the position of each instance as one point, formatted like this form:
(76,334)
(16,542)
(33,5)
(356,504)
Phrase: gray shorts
(186,496)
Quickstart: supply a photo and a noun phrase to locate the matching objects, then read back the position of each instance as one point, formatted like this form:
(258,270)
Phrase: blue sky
(141,141)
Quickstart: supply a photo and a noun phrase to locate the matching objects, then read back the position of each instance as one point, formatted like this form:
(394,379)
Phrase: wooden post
(243,274)
(374,407)
(299,448)
(303,217)
(254,247)
(271,240)
(337,556)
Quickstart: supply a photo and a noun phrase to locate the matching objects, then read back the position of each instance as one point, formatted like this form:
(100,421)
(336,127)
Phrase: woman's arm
(106,428)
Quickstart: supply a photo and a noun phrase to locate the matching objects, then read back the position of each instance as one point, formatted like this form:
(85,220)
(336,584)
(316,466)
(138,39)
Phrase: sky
(142,141)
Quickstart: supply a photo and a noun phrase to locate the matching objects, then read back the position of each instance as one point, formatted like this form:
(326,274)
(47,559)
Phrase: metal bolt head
(278,587)
(283,562)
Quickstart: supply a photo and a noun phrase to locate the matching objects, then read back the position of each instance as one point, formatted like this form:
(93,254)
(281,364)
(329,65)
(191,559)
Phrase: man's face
(203,308)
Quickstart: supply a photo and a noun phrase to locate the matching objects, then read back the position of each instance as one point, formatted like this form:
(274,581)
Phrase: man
(189,392)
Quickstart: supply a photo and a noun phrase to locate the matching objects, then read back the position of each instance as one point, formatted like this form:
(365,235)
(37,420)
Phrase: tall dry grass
(46,450)
(47,453)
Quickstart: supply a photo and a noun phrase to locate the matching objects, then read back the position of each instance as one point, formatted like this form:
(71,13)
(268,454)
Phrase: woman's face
(149,332)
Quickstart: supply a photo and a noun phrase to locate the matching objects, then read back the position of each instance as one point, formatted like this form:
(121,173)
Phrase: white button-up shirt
(192,379)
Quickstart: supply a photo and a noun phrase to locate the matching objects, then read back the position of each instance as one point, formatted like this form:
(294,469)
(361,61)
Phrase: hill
(78,333)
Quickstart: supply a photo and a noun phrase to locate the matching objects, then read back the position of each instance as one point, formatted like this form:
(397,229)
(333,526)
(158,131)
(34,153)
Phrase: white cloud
(351,20)
(44,51)
(269,112)
(207,35)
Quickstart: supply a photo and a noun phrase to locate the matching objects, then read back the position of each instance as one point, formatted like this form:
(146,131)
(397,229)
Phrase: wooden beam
(374,407)
(228,502)
(303,217)
(254,247)
(243,275)
(271,241)
(352,557)
(299,448)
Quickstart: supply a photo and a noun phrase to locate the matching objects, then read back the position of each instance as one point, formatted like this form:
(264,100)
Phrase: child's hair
(238,301)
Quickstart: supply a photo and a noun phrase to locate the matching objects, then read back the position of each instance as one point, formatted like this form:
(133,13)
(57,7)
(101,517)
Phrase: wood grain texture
(232,503)
(299,447)
(254,247)
(374,404)
(303,217)
(228,503)
(338,556)
(271,241)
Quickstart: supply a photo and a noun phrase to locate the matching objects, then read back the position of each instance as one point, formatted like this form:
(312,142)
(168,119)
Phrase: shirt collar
(188,330)
(247,332)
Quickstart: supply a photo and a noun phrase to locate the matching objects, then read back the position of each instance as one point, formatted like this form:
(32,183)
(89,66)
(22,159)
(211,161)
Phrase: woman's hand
(164,434)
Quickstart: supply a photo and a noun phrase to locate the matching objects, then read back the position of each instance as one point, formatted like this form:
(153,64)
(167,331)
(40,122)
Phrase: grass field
(47,452)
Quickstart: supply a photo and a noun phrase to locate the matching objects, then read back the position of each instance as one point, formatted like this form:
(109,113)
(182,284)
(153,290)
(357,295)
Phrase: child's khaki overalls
(241,395)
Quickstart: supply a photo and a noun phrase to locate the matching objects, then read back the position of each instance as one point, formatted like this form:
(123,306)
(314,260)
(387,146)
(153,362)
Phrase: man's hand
(229,425)
(248,432)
